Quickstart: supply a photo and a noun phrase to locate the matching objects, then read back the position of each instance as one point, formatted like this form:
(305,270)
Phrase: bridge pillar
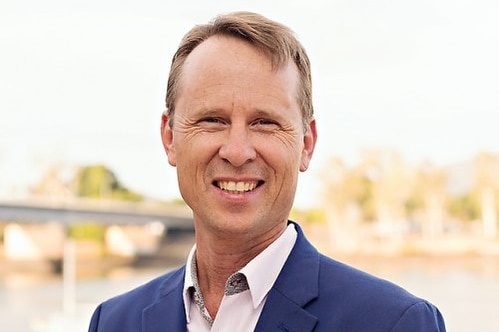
(34,242)
(132,240)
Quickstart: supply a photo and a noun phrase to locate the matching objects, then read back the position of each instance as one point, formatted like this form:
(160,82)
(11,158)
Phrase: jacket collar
(296,286)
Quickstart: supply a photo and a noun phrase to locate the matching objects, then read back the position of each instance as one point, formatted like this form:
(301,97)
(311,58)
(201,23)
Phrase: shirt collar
(268,264)
(188,283)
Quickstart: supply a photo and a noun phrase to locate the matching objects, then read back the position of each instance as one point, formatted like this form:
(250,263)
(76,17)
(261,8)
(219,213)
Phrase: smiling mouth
(238,187)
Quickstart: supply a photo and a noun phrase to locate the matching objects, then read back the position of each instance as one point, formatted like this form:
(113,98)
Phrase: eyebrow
(218,110)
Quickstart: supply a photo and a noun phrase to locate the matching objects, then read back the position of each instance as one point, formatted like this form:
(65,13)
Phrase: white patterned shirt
(239,310)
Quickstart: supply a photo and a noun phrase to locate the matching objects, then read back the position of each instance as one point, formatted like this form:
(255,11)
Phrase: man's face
(237,140)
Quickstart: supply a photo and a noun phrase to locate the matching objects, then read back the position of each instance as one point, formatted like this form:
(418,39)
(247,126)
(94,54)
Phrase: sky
(84,82)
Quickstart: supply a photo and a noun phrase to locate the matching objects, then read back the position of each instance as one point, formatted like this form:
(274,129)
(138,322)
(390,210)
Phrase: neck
(218,257)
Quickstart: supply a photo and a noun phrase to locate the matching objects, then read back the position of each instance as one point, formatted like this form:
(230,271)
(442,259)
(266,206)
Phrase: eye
(212,120)
(212,123)
(265,123)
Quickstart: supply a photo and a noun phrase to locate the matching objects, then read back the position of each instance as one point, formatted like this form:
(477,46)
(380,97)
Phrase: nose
(238,147)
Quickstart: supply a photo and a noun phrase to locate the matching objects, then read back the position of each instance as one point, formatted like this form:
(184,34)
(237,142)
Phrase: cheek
(281,154)
(192,152)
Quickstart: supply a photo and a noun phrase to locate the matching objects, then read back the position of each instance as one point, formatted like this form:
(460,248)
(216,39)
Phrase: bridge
(38,229)
(106,212)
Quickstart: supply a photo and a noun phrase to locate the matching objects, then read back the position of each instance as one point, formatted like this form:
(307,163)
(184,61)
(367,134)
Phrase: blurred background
(404,183)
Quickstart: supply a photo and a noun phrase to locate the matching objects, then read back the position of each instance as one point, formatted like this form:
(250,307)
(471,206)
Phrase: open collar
(296,286)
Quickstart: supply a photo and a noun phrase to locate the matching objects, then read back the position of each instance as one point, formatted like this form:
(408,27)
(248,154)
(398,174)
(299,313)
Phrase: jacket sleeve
(94,322)
(420,317)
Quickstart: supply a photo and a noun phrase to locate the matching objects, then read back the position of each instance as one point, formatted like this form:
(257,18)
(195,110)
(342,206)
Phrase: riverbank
(91,260)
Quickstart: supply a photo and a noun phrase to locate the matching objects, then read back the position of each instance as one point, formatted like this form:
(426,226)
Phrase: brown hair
(271,37)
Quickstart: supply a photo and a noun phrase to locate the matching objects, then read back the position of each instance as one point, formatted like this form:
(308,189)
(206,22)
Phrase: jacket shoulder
(370,303)
(126,310)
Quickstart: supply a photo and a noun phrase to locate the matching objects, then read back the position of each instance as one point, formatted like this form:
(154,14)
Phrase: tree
(464,207)
(430,190)
(390,182)
(376,189)
(341,192)
(97,181)
(486,187)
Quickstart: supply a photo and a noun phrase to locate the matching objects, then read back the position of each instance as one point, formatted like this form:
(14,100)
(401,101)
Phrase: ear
(309,141)
(167,138)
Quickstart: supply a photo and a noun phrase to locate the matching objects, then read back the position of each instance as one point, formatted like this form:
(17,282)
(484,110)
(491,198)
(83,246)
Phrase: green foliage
(125,195)
(87,231)
(316,216)
(364,197)
(465,207)
(414,204)
(97,181)
(178,202)
(308,216)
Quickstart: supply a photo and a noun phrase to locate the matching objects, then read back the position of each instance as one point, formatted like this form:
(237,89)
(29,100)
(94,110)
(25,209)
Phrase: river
(466,289)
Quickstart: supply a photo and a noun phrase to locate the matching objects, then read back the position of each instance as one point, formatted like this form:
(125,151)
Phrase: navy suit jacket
(312,293)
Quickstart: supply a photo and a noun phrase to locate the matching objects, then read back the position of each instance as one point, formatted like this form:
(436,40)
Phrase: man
(239,127)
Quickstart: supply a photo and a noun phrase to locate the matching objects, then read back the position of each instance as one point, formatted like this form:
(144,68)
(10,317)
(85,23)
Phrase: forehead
(235,66)
(220,49)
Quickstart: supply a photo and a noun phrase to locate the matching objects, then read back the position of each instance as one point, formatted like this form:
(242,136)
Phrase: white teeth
(236,187)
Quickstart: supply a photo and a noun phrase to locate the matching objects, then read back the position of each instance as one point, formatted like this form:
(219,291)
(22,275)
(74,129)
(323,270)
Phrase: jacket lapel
(167,313)
(295,287)
(281,314)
